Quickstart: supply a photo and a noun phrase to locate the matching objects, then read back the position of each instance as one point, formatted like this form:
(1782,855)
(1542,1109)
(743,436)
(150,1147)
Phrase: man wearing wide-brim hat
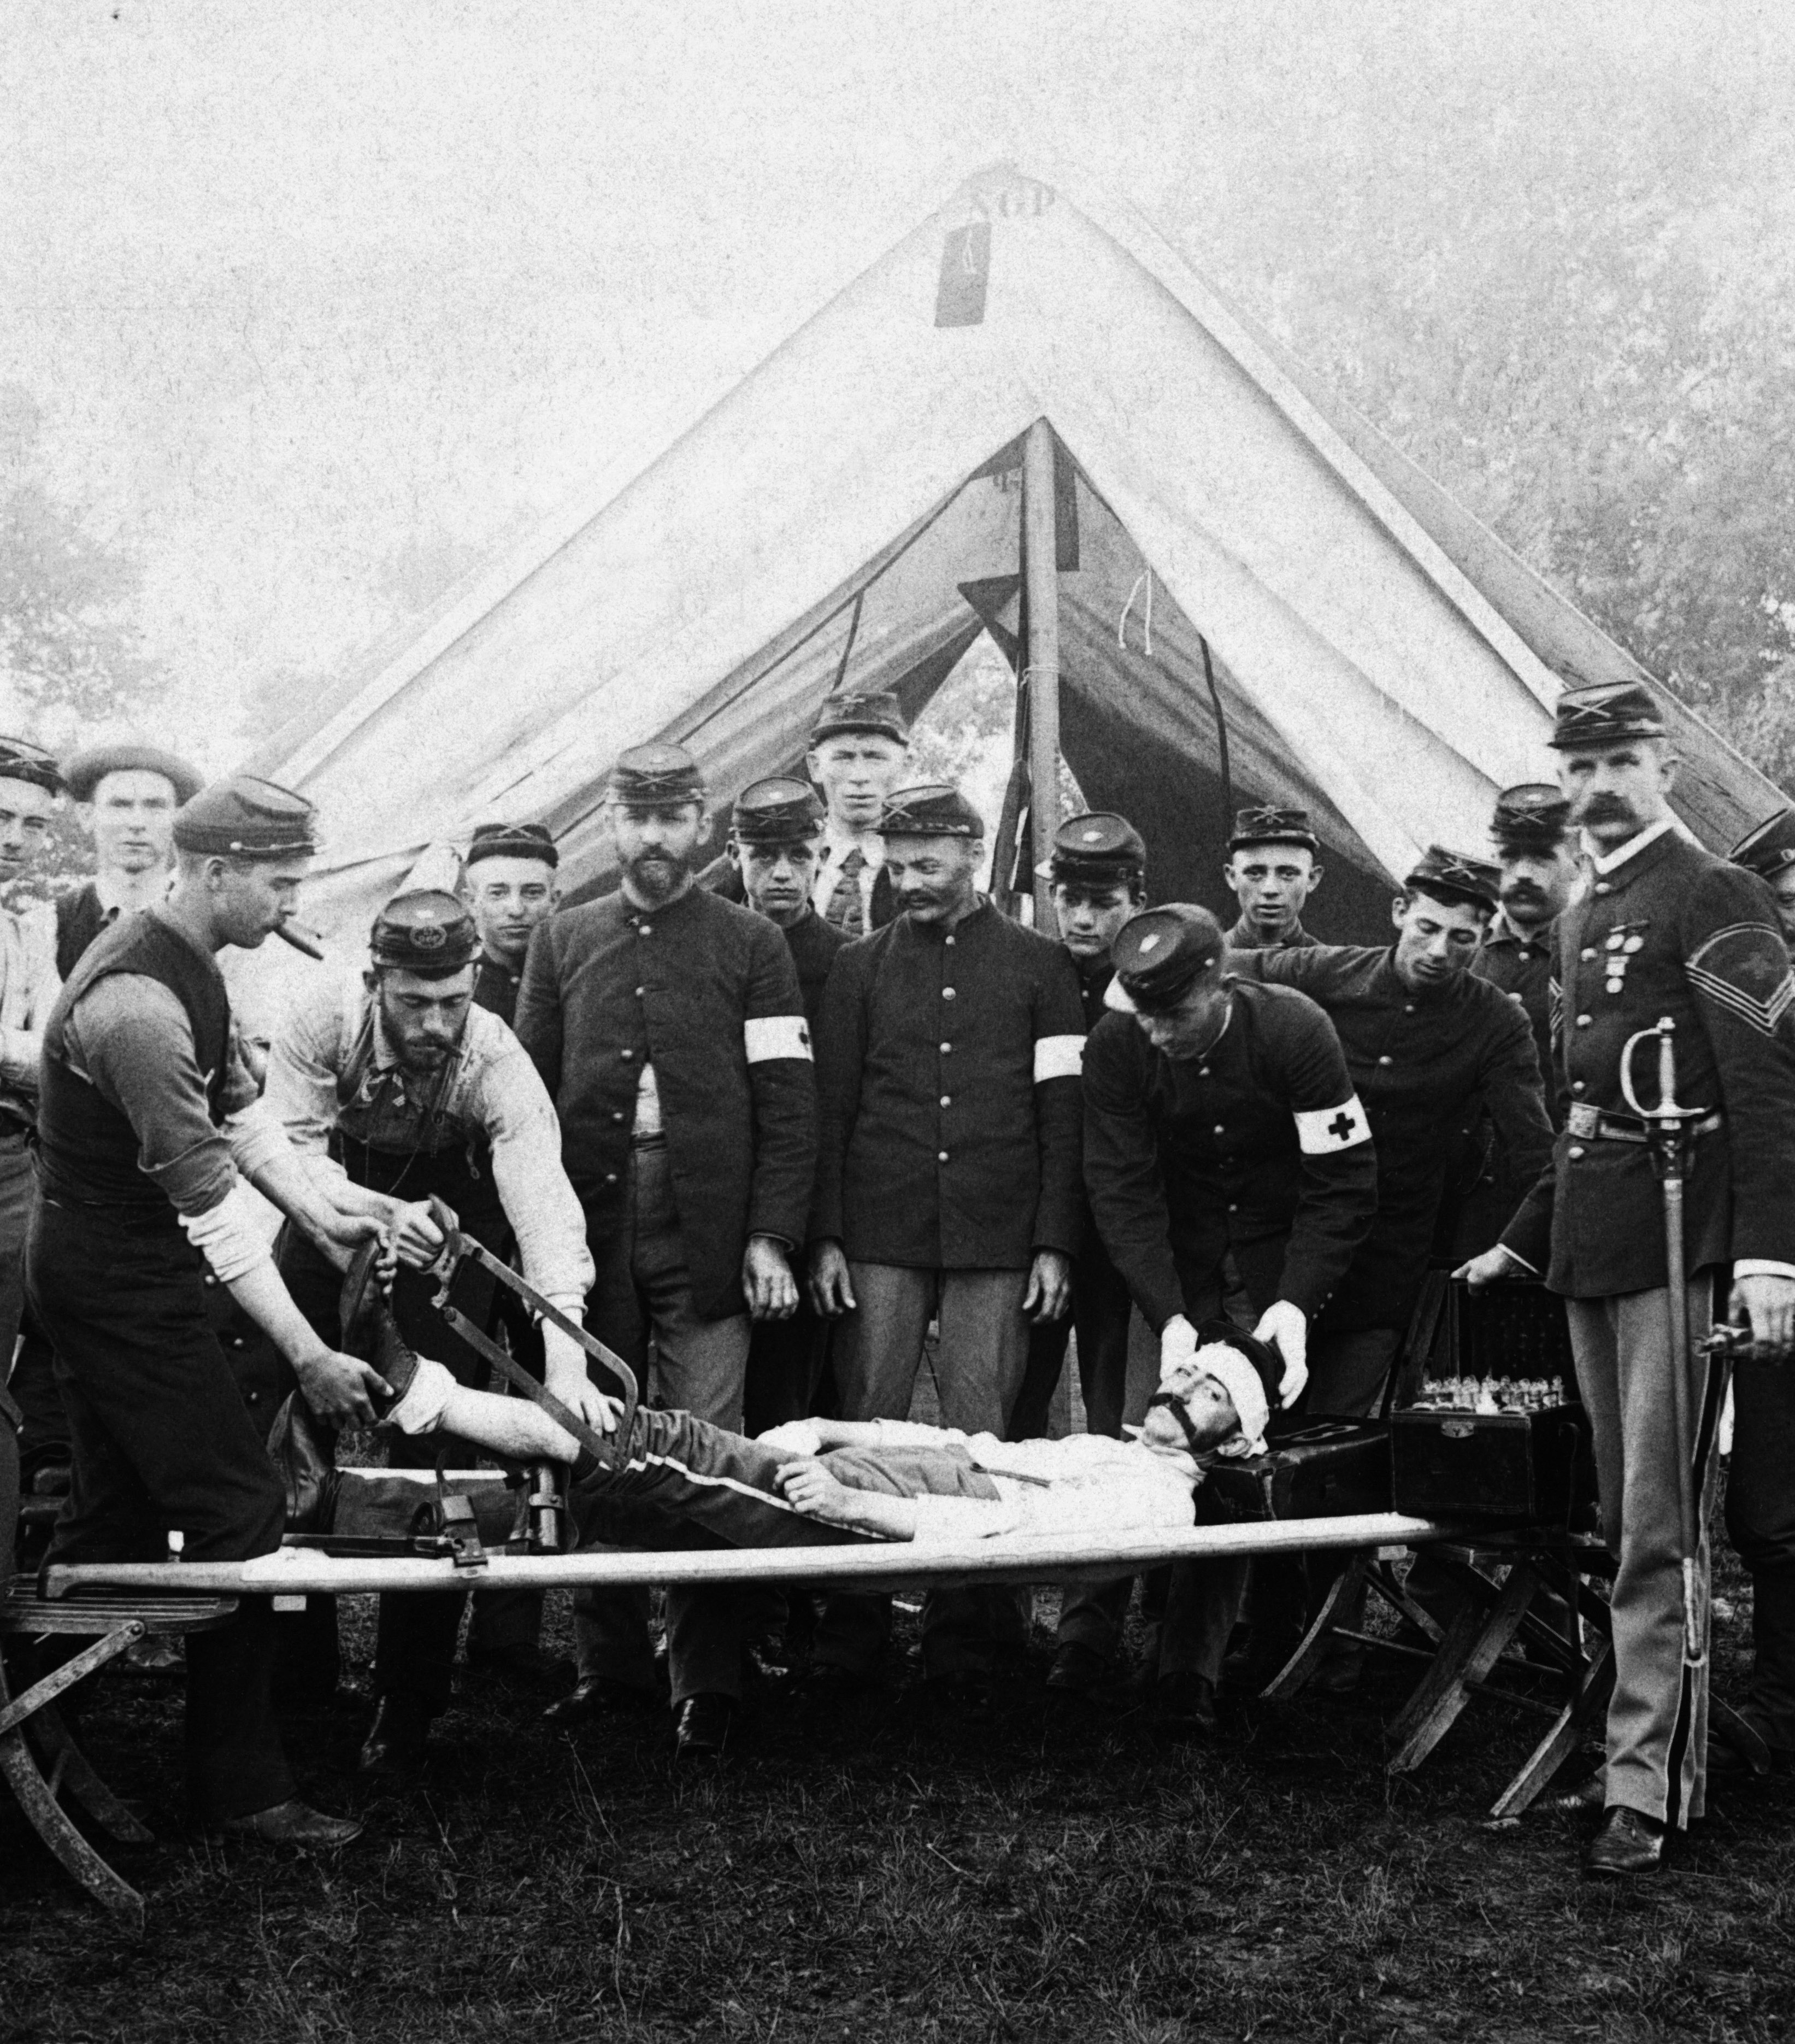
(1665,930)
(125,794)
(396,1088)
(148,1119)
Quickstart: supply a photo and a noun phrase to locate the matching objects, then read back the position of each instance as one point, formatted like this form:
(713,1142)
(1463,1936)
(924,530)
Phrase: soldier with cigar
(1272,872)
(148,1120)
(1665,930)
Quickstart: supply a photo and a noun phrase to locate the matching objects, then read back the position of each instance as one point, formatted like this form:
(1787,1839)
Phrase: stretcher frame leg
(1470,1654)
(1563,1738)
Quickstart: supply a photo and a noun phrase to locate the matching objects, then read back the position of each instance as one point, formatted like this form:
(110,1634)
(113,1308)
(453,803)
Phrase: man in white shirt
(859,748)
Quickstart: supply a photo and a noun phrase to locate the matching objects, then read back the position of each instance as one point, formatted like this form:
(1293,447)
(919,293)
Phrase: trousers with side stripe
(1657,1717)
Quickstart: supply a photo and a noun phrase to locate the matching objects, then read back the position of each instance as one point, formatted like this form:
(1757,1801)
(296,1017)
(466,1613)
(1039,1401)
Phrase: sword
(458,1248)
(1667,1127)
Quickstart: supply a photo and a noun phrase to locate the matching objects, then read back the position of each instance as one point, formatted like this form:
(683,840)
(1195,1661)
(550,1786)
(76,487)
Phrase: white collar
(1607,861)
(838,841)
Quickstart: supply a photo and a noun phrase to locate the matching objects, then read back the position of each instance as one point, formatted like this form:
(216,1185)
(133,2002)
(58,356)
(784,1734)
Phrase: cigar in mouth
(301,939)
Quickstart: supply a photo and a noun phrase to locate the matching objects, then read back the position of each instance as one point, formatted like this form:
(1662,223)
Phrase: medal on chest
(1622,945)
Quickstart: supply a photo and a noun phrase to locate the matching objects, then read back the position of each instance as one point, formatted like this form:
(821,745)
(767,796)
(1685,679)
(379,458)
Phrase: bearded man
(668,1026)
(396,1088)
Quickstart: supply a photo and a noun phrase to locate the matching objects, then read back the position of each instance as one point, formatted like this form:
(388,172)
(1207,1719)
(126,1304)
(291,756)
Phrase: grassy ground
(877,1872)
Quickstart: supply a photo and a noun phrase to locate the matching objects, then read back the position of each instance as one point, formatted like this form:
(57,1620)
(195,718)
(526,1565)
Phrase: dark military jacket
(1670,931)
(496,989)
(708,993)
(1417,1057)
(813,944)
(948,1072)
(1521,967)
(1245,937)
(1261,1138)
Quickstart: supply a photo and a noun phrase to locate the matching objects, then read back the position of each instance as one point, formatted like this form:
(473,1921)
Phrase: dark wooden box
(1529,1465)
(1320,1469)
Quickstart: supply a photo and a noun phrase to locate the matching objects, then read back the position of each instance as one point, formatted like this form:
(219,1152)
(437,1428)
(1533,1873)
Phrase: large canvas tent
(1253,587)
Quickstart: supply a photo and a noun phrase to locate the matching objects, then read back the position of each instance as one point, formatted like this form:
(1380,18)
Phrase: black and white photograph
(897,1035)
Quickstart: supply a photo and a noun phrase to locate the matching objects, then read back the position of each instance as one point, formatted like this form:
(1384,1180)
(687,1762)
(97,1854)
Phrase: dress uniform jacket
(1521,967)
(1669,930)
(707,991)
(813,944)
(1260,1138)
(496,989)
(1417,1056)
(948,1074)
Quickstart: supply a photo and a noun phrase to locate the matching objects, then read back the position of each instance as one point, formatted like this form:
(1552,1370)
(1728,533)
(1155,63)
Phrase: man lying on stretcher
(817,1481)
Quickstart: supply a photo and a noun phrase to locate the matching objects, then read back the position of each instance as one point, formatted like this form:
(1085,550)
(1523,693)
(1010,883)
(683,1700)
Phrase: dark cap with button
(1266,824)
(512,841)
(1100,849)
(932,810)
(22,760)
(1605,714)
(779,810)
(427,933)
(1455,876)
(1769,850)
(873,709)
(1531,821)
(244,816)
(1158,955)
(648,775)
(84,772)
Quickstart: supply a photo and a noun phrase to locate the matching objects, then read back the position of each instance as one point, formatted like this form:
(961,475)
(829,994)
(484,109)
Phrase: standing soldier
(667,1025)
(1098,872)
(396,1088)
(1273,872)
(1760,1478)
(948,1184)
(510,872)
(1219,1122)
(775,841)
(125,796)
(138,1190)
(1666,929)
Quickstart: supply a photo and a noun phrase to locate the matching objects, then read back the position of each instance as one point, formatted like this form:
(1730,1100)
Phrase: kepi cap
(512,841)
(1455,876)
(22,760)
(244,816)
(779,810)
(1266,824)
(647,775)
(871,709)
(85,772)
(934,809)
(1099,848)
(1769,849)
(1532,819)
(427,933)
(1605,714)
(1158,955)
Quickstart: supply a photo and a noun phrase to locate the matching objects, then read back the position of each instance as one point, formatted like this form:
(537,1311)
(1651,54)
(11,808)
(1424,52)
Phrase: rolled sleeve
(511,1104)
(303,1063)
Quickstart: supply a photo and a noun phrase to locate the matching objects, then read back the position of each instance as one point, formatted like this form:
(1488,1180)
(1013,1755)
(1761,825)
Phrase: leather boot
(292,1823)
(1627,1843)
(397,1739)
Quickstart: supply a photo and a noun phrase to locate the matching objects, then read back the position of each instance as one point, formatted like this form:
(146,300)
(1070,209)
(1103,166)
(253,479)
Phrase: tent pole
(1040,567)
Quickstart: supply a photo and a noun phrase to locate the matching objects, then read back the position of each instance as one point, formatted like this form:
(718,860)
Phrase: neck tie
(846,910)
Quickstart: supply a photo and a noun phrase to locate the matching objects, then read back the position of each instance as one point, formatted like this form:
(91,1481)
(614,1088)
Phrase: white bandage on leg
(229,1236)
(421,1411)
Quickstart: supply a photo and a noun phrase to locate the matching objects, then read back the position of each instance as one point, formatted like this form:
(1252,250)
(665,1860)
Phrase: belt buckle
(1583,1119)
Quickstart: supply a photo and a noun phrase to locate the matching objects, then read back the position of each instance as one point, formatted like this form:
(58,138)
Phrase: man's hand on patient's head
(807,1487)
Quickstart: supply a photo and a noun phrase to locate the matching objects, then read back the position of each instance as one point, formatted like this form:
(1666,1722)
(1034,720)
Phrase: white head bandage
(1241,1382)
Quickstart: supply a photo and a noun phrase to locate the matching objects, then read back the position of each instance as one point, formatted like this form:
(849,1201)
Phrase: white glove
(1178,1346)
(796,1437)
(1286,1328)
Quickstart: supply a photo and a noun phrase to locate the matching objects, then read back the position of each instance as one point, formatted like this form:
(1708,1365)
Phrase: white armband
(1058,1058)
(229,1236)
(421,1411)
(767,1037)
(1321,1129)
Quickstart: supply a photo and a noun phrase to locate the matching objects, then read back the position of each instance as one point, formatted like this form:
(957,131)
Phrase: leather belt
(1589,1124)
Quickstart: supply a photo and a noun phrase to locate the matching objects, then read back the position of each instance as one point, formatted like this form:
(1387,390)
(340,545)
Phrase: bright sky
(319,306)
